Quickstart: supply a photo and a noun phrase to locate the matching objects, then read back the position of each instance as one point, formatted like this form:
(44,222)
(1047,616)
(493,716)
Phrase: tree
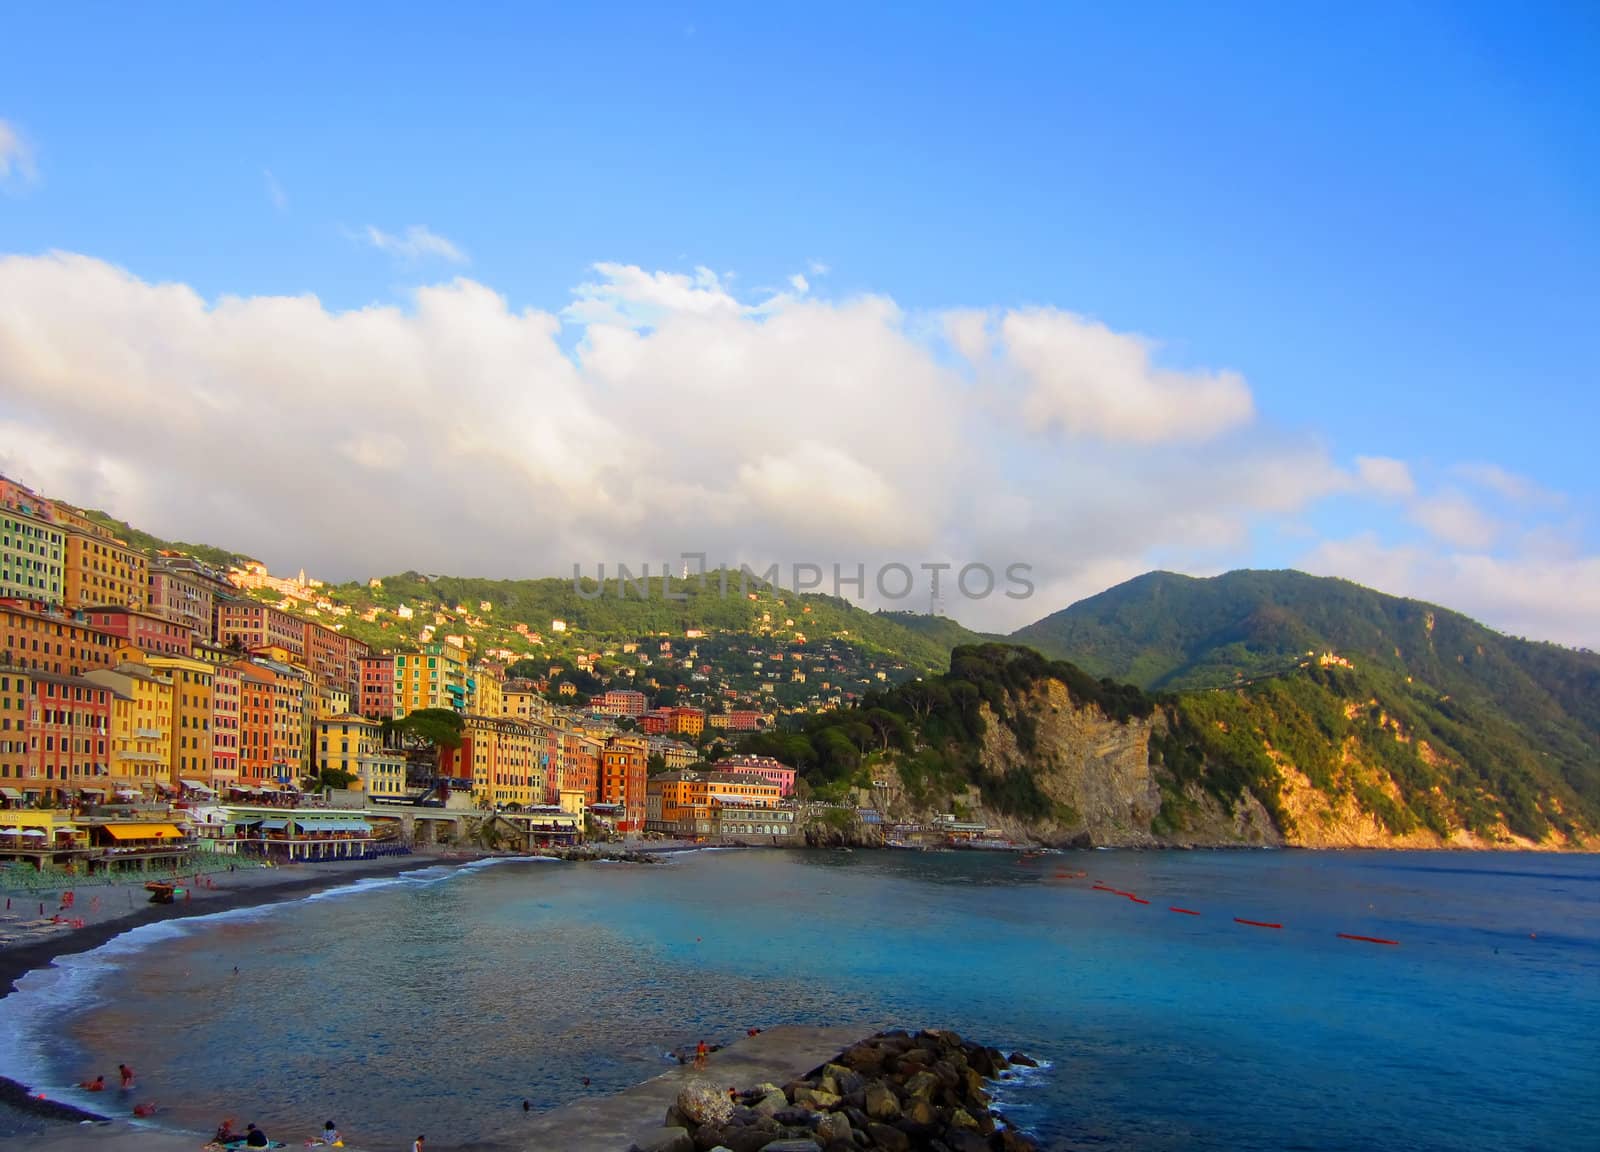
(656,764)
(430,727)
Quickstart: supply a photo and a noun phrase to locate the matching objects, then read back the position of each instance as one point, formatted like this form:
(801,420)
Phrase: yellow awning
(143,832)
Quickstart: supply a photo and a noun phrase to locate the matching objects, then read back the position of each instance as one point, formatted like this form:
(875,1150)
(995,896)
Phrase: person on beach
(330,1136)
(700,1054)
(225,1133)
(255,1137)
(127,1076)
(98,1084)
(416,1145)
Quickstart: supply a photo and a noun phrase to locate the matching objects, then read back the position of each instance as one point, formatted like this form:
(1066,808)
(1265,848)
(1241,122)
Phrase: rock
(816,1099)
(973,1091)
(665,1140)
(833,1128)
(916,1056)
(708,1136)
(962,1140)
(865,1058)
(795,1117)
(1023,1060)
(881,1103)
(704,1103)
(940,1036)
(848,1081)
(887,1138)
(961,1118)
(773,1102)
(792,1146)
(921,1084)
(922,1113)
(1013,1141)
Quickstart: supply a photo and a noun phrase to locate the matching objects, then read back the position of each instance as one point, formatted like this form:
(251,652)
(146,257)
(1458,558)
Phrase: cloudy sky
(507,294)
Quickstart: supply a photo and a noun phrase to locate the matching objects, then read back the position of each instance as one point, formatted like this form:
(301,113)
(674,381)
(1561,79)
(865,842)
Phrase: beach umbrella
(38,832)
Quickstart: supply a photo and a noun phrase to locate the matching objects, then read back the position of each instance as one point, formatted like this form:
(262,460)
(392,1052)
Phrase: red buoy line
(1134,898)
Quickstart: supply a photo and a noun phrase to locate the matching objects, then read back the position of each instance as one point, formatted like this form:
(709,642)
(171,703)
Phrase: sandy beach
(107,911)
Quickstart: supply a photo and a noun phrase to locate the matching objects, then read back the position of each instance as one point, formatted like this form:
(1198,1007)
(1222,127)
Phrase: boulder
(881,1103)
(665,1140)
(772,1102)
(1024,1060)
(961,1118)
(795,1116)
(833,1128)
(922,1113)
(921,1084)
(1013,1141)
(961,1140)
(792,1146)
(847,1080)
(888,1138)
(704,1103)
(815,1099)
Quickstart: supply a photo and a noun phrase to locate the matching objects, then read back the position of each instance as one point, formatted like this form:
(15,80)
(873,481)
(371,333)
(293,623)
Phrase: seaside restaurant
(57,839)
(291,834)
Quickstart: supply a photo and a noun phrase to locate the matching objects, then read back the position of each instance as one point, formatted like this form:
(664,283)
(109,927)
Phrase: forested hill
(1329,755)
(1531,703)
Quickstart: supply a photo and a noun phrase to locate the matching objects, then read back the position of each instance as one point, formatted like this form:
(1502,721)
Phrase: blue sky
(1382,217)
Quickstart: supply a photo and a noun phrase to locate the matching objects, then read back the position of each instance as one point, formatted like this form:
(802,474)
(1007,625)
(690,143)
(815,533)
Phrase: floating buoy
(1183,911)
(1256,923)
(1136,899)
(1367,939)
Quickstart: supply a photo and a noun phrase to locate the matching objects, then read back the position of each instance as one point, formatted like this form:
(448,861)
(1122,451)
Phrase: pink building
(255,625)
(768,769)
(376,698)
(623,702)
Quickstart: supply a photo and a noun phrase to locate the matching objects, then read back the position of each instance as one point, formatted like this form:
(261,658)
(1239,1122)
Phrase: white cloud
(16,156)
(1385,476)
(275,193)
(1454,519)
(458,434)
(1506,485)
(1543,597)
(415,243)
(799,284)
(1091,382)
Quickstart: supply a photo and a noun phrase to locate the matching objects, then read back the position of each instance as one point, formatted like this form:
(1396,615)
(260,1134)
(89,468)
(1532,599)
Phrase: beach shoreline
(106,916)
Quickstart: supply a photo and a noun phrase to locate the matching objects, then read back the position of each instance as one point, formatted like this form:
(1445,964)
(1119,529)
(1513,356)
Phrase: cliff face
(1086,778)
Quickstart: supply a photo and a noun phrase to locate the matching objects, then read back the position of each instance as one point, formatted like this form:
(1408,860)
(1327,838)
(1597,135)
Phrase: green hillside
(219,557)
(1513,702)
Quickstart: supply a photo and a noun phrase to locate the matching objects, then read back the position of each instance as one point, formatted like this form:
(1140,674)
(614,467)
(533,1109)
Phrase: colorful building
(69,736)
(141,728)
(376,699)
(32,557)
(768,769)
(691,803)
(332,657)
(15,688)
(503,759)
(354,745)
(192,709)
(32,635)
(688,722)
(255,726)
(102,570)
(143,630)
(226,687)
(622,702)
(249,625)
(624,769)
(486,690)
(185,591)
(522,700)
(738,721)
(432,676)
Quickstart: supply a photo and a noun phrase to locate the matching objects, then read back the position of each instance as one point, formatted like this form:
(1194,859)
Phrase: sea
(438,1001)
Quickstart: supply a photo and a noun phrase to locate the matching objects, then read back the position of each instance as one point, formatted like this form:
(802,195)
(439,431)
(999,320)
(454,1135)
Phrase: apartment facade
(249,625)
(624,769)
(185,591)
(32,636)
(192,711)
(226,687)
(69,736)
(375,695)
(101,569)
(144,630)
(32,557)
(141,727)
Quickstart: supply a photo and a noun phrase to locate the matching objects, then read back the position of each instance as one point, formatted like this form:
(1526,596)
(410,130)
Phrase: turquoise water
(438,1002)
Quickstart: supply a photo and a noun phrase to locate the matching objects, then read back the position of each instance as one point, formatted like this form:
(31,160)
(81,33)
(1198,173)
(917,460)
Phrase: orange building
(688,722)
(255,725)
(690,803)
(100,569)
(624,771)
(226,686)
(69,736)
(50,641)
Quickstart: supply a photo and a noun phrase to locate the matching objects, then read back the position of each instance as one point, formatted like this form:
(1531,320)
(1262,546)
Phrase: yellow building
(520,700)
(100,569)
(191,714)
(486,690)
(354,745)
(503,759)
(433,676)
(141,726)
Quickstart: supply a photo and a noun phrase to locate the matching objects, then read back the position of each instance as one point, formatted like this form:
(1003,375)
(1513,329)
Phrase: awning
(143,832)
(274,825)
(197,785)
(92,791)
(10,793)
(37,832)
(165,787)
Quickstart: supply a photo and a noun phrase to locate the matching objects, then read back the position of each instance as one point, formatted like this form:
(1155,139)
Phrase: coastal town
(153,707)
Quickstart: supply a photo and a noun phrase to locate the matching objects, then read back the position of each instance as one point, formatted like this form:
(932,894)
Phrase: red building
(375,700)
(655,722)
(69,734)
(144,630)
(622,702)
(765,767)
